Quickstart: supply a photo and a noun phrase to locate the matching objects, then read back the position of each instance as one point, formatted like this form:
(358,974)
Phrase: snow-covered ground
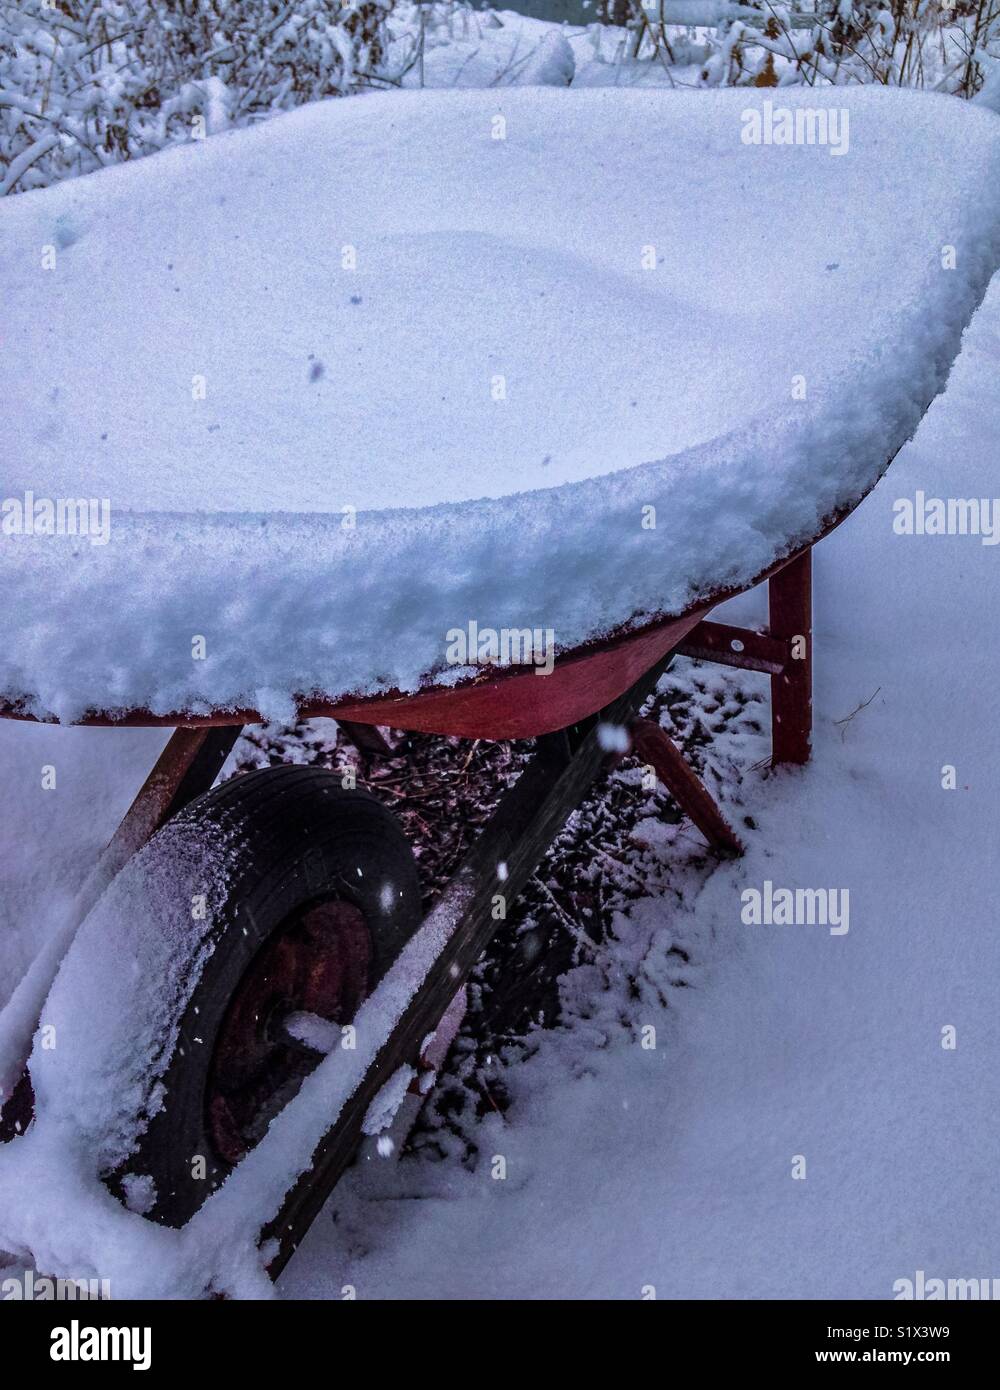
(502,48)
(673,1168)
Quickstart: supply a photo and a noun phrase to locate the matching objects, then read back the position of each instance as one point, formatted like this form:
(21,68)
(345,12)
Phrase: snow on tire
(181,1013)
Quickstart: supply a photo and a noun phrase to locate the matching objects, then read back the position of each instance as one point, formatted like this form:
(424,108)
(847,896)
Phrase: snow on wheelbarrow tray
(386,365)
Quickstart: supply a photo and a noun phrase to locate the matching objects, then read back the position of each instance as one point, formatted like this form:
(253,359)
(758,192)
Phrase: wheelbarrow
(295,991)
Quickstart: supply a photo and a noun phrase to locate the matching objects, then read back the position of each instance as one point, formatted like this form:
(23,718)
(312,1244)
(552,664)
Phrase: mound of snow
(551,64)
(387,365)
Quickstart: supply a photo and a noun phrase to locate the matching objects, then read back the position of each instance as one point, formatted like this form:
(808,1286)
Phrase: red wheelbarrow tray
(587,362)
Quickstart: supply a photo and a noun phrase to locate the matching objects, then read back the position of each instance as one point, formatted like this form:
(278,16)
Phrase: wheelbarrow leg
(188,766)
(367,738)
(651,745)
(790,605)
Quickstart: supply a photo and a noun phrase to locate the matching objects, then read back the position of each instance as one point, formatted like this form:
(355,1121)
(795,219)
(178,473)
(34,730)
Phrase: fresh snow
(442,432)
(385,1106)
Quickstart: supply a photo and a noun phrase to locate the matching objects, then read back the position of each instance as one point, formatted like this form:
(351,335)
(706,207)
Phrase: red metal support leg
(790,604)
(188,766)
(652,745)
(734,646)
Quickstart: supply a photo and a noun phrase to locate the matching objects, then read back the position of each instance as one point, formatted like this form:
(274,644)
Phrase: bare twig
(843,723)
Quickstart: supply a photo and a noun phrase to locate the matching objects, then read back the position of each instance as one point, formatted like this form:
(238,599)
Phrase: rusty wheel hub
(319,964)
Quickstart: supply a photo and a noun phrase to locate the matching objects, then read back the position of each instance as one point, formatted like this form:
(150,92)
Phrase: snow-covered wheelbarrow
(455,413)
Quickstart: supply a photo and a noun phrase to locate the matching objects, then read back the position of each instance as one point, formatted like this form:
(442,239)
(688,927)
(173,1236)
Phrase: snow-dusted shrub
(947,45)
(950,45)
(84,83)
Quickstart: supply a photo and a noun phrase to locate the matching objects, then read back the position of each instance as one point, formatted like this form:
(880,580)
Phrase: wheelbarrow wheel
(321,895)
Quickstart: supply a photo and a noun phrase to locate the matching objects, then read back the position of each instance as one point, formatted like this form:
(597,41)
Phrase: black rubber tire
(302,839)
